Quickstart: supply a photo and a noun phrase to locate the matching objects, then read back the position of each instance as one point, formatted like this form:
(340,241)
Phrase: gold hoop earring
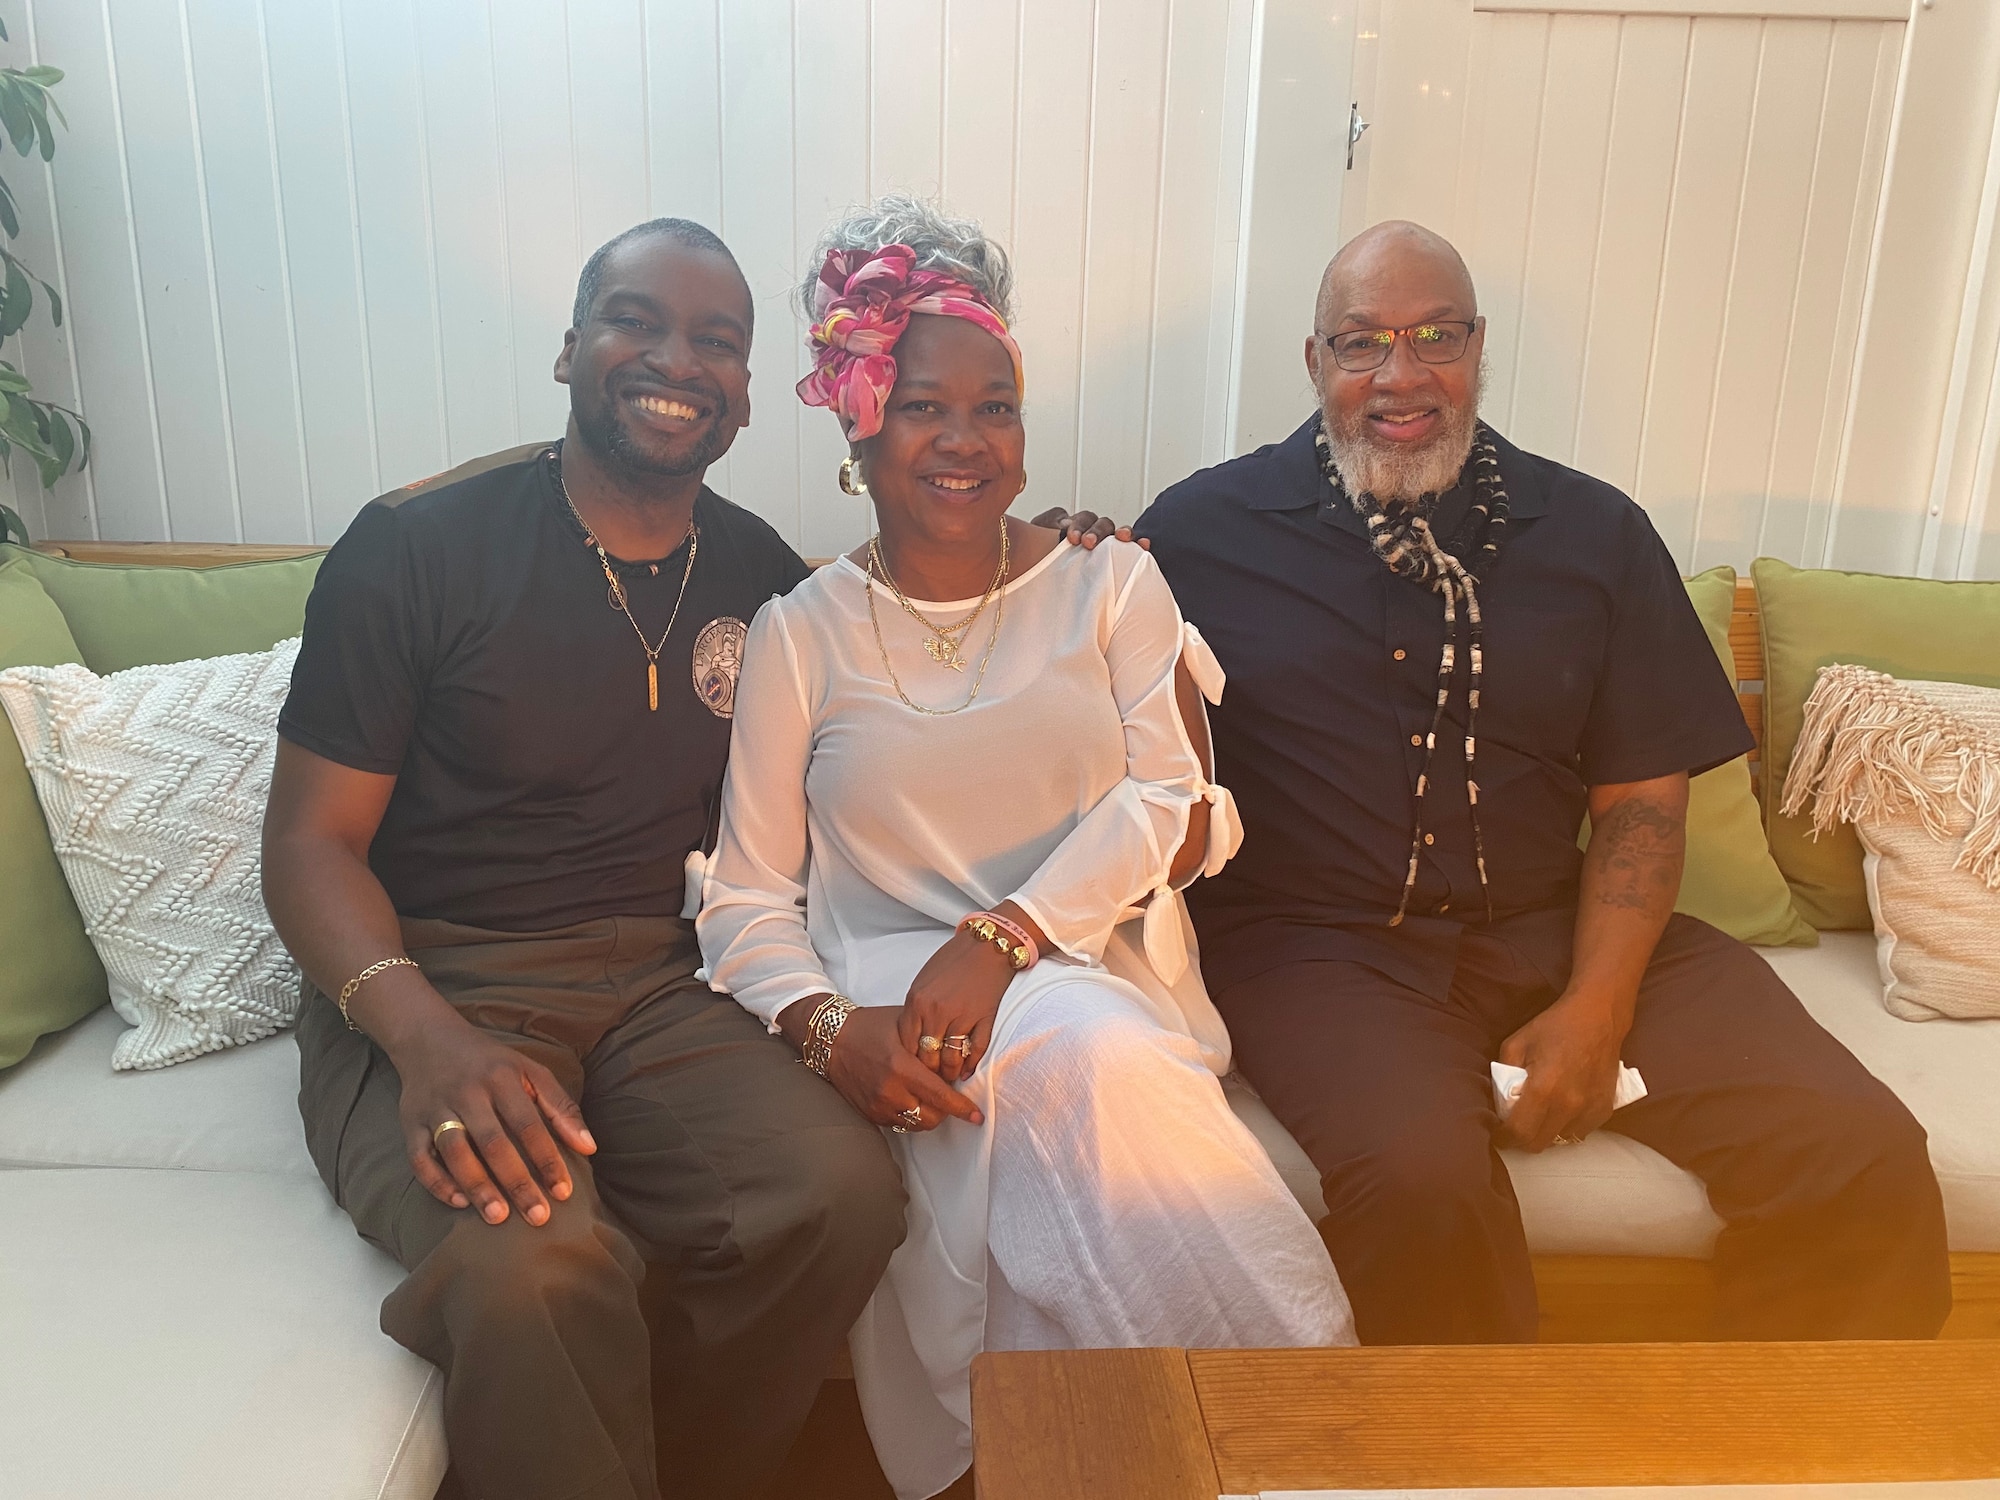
(850,481)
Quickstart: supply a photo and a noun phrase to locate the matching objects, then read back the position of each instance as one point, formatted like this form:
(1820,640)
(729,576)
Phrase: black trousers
(704,1272)
(1834,1228)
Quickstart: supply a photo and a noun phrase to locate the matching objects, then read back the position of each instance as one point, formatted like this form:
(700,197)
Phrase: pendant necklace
(616,591)
(943,644)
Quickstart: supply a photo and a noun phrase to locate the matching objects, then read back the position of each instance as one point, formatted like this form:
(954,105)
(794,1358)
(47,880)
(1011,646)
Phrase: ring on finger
(1566,1139)
(911,1118)
(961,1044)
(438,1131)
(928,1043)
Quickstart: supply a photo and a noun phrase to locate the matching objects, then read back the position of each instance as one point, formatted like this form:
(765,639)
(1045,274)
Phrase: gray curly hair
(957,247)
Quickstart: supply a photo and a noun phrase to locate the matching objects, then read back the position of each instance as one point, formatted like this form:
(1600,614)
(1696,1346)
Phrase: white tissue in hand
(1507,1081)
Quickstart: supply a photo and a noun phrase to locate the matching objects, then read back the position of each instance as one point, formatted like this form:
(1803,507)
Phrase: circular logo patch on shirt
(718,657)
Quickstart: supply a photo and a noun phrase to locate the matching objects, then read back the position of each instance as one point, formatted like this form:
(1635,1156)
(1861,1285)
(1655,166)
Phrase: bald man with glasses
(1442,653)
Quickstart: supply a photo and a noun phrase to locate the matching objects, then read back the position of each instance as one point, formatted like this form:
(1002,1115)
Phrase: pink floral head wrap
(861,306)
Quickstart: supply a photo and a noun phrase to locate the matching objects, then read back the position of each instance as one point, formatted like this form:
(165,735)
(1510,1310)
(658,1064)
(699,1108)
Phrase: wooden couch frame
(1584,1298)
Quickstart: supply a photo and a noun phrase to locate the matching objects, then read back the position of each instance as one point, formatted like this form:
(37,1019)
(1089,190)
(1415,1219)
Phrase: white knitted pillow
(153,782)
(1915,767)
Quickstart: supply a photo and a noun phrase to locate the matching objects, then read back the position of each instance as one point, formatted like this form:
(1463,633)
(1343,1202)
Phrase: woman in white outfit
(969,766)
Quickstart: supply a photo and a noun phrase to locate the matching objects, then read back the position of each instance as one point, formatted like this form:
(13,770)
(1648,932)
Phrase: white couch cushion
(1947,1072)
(1613,1196)
(230,1111)
(208,1335)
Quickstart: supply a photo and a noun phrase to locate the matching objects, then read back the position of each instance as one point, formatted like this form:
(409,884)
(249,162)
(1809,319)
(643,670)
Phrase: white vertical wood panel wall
(314,249)
(1669,219)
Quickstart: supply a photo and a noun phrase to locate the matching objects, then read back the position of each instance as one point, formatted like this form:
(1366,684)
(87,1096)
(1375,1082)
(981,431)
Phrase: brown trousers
(729,1230)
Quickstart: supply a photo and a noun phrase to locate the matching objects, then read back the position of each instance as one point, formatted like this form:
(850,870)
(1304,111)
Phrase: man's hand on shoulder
(1085,528)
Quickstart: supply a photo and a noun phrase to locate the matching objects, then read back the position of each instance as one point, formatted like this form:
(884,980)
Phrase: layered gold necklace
(943,643)
(615,592)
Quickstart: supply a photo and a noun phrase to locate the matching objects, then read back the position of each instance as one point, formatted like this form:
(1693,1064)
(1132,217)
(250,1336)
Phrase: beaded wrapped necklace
(1403,540)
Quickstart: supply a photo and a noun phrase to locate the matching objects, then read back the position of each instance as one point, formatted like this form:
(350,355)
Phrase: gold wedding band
(437,1134)
(928,1043)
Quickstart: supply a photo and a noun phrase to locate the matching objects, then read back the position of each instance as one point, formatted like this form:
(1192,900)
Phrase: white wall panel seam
(1596,257)
(61,269)
(1083,250)
(432,275)
(506,246)
(1014,175)
(1868,291)
(1528,228)
(354,243)
(1240,293)
(1798,275)
(208,266)
(1146,487)
(1666,243)
(1729,288)
(138,276)
(271,152)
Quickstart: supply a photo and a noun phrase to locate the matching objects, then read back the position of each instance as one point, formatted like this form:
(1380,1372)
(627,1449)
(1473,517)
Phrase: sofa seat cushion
(1613,1196)
(209,1335)
(230,1111)
(1947,1072)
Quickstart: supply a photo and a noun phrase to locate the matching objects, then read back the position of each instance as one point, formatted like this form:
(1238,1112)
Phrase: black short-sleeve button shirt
(460,636)
(1597,671)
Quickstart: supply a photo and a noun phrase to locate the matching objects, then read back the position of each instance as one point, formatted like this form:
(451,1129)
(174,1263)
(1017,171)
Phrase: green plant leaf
(62,442)
(12,527)
(22,427)
(9,219)
(36,106)
(20,125)
(17,301)
(12,379)
(55,302)
(41,73)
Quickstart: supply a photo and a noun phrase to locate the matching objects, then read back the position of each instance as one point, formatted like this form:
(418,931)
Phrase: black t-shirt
(460,636)
(1596,671)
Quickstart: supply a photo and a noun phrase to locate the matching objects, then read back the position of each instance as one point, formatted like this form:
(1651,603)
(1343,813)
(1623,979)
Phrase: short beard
(1399,475)
(605,436)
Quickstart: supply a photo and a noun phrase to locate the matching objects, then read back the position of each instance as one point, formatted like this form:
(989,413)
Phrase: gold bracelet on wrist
(983,927)
(347,990)
(822,1026)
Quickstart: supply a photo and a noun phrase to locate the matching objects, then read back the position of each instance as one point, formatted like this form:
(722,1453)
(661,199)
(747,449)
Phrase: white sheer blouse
(856,833)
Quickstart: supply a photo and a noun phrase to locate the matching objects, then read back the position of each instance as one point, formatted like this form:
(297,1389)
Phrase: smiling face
(659,373)
(1403,429)
(948,460)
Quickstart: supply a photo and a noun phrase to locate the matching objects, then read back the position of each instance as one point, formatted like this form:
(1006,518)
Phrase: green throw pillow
(1908,627)
(132,615)
(49,974)
(1730,880)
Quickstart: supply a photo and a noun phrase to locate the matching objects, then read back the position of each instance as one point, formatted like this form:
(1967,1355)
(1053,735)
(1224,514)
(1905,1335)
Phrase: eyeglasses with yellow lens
(1439,342)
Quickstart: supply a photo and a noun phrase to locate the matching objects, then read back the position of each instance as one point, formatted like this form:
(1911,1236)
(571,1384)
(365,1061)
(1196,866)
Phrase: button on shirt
(1597,671)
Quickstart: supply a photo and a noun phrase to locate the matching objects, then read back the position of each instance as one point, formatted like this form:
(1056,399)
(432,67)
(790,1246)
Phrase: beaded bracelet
(991,927)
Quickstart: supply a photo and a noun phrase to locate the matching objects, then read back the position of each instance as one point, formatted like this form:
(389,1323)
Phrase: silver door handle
(1356,128)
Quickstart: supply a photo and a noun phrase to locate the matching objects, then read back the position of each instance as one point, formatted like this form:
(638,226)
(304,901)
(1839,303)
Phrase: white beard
(1400,474)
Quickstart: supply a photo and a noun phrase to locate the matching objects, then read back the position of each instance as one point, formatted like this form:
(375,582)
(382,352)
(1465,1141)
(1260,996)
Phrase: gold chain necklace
(944,644)
(617,592)
(996,595)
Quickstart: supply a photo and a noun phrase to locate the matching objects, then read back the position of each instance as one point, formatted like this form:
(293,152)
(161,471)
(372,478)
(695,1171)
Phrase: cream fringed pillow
(1915,767)
(153,782)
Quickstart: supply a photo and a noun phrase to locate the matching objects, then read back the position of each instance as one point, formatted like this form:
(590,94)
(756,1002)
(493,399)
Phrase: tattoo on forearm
(1635,855)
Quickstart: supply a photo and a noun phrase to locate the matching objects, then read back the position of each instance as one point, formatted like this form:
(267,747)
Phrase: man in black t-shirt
(1442,651)
(617,1197)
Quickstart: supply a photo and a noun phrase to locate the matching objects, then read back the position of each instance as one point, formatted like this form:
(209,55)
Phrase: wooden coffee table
(1178,1424)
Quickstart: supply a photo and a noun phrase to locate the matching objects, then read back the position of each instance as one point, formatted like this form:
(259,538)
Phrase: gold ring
(928,1043)
(437,1134)
(913,1117)
(962,1045)
(1567,1140)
